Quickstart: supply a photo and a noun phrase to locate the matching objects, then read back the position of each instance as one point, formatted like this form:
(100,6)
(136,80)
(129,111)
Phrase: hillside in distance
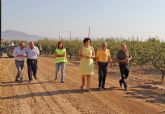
(17,35)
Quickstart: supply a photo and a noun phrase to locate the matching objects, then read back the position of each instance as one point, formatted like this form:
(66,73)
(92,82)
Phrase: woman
(60,60)
(123,57)
(86,54)
(102,58)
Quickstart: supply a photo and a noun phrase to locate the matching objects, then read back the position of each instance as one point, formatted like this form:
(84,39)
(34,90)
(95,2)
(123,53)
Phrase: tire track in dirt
(22,106)
(54,93)
(15,109)
(120,104)
(121,107)
(45,103)
(87,99)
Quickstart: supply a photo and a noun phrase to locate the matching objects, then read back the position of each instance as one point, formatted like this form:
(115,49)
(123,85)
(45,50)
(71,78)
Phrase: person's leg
(34,68)
(21,68)
(83,81)
(100,72)
(17,76)
(29,65)
(126,72)
(88,81)
(104,75)
(56,70)
(18,65)
(62,72)
(121,81)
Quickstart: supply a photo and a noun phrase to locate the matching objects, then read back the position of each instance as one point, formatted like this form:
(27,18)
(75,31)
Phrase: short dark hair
(86,39)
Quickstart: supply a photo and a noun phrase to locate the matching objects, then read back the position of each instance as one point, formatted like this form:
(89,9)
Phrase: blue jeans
(57,65)
(19,65)
(102,73)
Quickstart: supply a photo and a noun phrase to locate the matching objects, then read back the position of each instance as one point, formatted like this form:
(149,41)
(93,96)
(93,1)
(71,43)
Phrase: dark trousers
(19,65)
(124,70)
(102,73)
(32,68)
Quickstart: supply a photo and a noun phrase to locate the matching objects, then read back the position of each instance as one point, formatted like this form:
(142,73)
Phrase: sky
(106,18)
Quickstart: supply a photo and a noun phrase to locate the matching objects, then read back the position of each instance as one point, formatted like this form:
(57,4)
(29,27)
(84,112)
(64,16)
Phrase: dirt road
(46,96)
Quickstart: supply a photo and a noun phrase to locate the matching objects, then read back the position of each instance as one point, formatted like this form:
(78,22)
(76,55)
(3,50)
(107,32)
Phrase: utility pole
(59,37)
(89,32)
(70,35)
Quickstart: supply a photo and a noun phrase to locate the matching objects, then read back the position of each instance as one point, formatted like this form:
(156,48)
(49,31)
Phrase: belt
(19,61)
(103,62)
(32,59)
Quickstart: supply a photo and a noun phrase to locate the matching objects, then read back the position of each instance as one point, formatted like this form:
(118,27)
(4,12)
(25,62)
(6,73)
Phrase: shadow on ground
(52,93)
(148,94)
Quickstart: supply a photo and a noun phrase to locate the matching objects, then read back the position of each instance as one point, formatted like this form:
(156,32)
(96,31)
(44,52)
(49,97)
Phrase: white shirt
(18,51)
(32,53)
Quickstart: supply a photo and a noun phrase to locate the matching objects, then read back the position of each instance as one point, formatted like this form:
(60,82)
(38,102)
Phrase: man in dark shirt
(123,57)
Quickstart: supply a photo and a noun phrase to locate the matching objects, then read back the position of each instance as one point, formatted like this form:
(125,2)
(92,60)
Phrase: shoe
(21,80)
(35,77)
(16,80)
(30,80)
(55,78)
(81,87)
(62,81)
(125,86)
(101,89)
(120,83)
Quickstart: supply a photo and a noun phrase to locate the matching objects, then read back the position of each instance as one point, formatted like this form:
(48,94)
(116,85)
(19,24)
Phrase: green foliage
(151,52)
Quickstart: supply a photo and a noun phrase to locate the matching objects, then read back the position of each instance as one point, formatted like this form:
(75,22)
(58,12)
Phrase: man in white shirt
(32,54)
(19,53)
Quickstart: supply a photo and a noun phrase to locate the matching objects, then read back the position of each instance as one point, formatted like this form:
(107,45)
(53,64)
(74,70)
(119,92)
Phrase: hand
(97,67)
(110,64)
(20,55)
(126,60)
(88,57)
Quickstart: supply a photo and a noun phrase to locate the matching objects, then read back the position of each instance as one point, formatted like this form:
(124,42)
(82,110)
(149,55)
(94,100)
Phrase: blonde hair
(123,45)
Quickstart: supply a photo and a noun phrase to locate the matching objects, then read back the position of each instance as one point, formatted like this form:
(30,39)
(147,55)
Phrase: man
(123,57)
(32,54)
(19,53)
(102,58)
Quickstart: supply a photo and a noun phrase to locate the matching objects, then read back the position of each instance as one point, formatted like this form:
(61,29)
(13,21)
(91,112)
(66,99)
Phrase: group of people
(31,53)
(103,57)
(86,54)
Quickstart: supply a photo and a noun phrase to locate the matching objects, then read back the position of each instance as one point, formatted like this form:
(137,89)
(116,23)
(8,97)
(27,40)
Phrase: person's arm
(93,53)
(80,53)
(60,55)
(24,53)
(130,56)
(14,52)
(97,59)
(127,60)
(38,52)
(109,59)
